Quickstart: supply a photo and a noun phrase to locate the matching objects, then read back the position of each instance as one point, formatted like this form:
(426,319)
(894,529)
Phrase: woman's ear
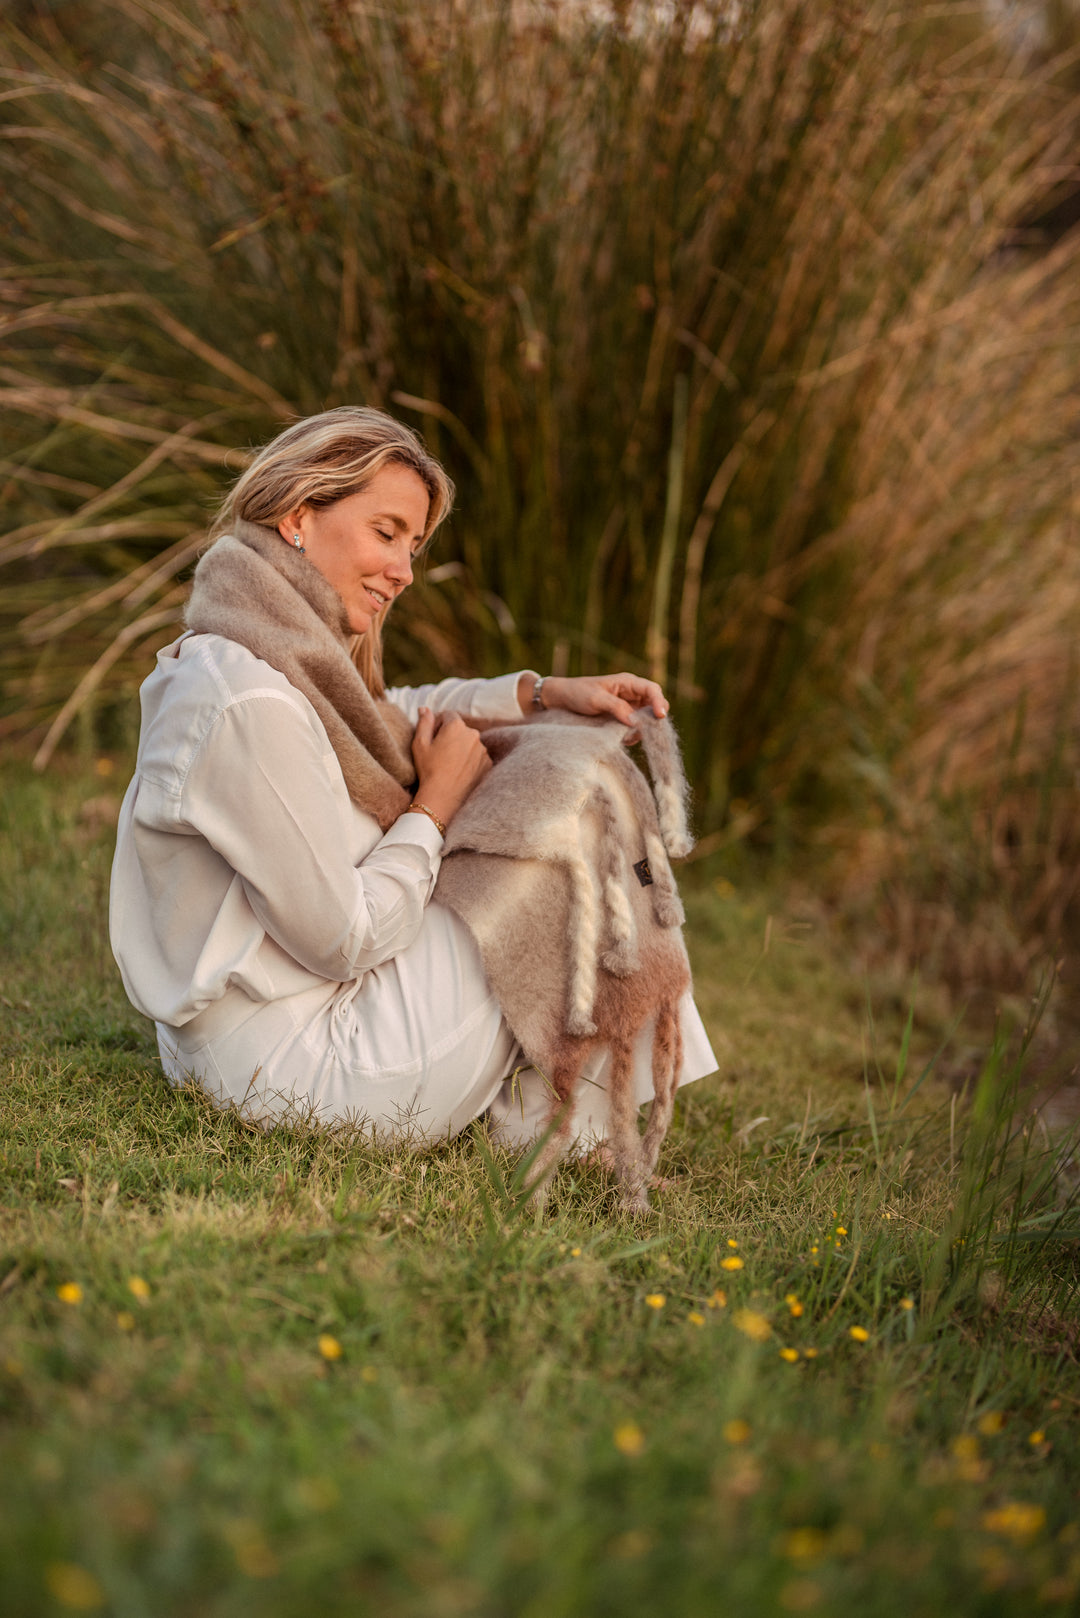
(290,523)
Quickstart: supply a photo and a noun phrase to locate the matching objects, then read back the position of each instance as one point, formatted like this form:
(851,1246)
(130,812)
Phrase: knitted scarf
(558,865)
(253,588)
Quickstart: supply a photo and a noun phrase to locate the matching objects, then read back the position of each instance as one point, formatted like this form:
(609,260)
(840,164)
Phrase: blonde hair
(321,460)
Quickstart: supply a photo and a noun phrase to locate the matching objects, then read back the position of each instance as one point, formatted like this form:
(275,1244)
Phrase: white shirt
(243,871)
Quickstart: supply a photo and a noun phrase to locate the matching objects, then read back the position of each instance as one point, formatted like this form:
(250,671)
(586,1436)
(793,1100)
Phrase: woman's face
(365,544)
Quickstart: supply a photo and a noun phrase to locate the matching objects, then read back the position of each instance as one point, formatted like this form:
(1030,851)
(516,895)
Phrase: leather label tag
(643,874)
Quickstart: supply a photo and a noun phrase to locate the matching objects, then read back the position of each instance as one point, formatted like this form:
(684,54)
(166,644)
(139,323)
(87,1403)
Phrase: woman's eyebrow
(396,522)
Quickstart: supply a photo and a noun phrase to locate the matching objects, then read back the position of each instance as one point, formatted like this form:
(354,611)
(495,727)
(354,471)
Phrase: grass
(285,1373)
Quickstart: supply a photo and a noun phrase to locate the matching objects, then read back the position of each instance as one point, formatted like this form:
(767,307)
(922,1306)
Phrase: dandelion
(695,1318)
(732,1263)
(71,1292)
(736,1431)
(329,1347)
(992,1422)
(138,1288)
(789,1354)
(907,1303)
(1037,1437)
(629,1438)
(575,1252)
(841,1230)
(752,1324)
(74,1587)
(793,1304)
(813,1249)
(859,1334)
(810,1353)
(655,1300)
(805,1545)
(732,1242)
(718,1299)
(126,1320)
(1016,1520)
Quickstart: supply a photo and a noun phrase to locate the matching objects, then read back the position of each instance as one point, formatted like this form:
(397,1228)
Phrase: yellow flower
(695,1319)
(752,1324)
(138,1288)
(329,1347)
(992,1422)
(737,1431)
(629,1438)
(813,1250)
(805,1544)
(793,1304)
(789,1354)
(575,1252)
(907,1303)
(74,1587)
(966,1447)
(732,1242)
(1037,1437)
(71,1292)
(859,1333)
(125,1320)
(369,1374)
(841,1230)
(810,1353)
(1016,1520)
(718,1299)
(732,1263)
(655,1300)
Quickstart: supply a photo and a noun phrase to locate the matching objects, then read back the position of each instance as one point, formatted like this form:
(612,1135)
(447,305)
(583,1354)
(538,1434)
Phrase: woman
(270,898)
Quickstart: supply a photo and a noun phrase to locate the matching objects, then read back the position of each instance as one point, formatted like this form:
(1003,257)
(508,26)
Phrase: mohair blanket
(558,865)
(252,587)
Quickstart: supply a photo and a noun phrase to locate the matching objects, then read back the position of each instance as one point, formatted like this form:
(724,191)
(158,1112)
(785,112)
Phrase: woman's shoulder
(200,681)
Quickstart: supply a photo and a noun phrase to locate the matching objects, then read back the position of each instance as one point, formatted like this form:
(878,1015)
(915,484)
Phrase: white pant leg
(417,1047)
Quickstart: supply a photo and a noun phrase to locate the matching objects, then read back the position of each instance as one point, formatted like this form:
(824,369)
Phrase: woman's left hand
(619,695)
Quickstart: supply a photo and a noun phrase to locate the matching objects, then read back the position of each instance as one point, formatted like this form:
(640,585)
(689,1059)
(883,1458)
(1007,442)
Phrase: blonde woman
(279,844)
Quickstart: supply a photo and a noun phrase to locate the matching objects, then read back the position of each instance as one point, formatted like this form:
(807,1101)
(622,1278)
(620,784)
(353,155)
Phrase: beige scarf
(252,587)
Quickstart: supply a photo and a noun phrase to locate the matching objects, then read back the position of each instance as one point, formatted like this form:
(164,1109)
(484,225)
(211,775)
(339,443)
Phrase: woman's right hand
(450,760)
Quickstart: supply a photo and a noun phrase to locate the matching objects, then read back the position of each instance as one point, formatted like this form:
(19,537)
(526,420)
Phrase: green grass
(512,1426)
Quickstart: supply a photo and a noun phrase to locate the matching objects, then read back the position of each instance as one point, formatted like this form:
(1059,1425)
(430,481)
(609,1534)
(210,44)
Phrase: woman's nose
(400,567)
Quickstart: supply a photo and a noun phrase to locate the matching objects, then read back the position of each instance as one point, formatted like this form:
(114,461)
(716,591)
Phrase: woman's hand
(450,760)
(618,695)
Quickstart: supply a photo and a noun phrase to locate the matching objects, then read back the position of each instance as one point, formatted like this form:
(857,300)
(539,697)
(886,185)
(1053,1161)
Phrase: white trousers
(415,1049)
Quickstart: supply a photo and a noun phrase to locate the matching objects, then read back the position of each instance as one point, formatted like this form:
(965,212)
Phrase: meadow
(835,1371)
(752,345)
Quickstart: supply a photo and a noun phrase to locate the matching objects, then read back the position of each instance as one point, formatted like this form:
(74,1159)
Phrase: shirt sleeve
(265,792)
(475,699)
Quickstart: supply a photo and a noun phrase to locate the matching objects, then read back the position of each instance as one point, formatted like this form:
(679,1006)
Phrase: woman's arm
(266,793)
(616,694)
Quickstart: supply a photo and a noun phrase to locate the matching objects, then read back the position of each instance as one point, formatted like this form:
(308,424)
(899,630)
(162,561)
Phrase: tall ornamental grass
(723,318)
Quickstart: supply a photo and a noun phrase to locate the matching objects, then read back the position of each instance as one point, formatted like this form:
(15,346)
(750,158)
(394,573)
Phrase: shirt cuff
(500,698)
(419,830)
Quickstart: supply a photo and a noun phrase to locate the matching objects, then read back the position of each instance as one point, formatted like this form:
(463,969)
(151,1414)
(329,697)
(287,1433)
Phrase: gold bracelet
(422,809)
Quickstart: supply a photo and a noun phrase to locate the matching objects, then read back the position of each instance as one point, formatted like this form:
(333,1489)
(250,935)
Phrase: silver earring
(296,542)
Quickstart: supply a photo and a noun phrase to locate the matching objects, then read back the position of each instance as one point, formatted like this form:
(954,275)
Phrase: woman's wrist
(418,807)
(525,687)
